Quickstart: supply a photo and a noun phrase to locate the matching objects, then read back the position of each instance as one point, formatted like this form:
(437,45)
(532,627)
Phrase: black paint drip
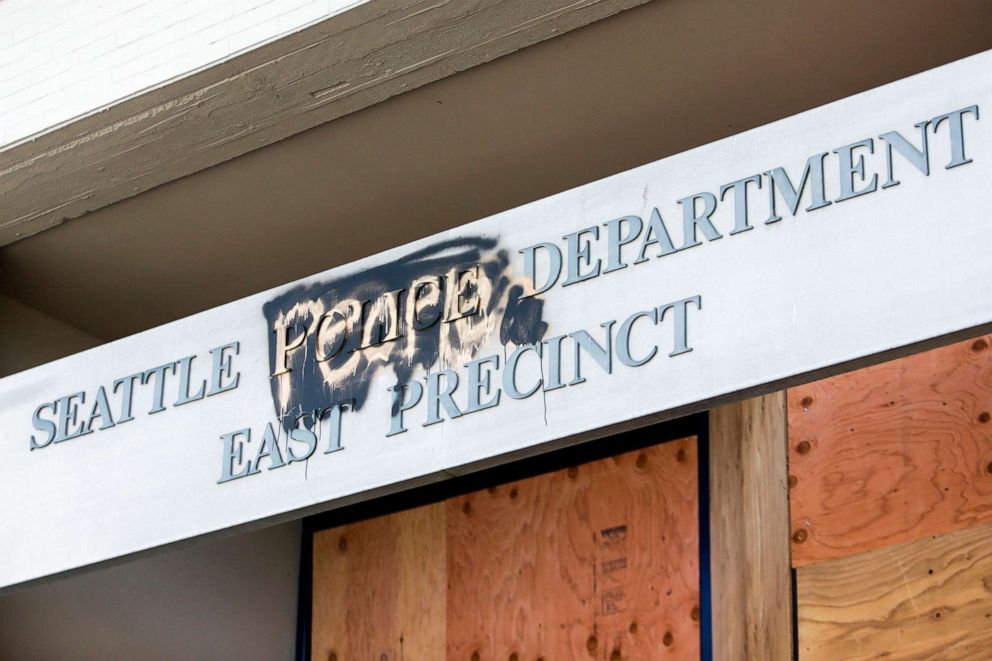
(309,390)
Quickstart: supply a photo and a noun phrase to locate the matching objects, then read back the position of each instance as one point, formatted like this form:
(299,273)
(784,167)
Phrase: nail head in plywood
(896,452)
(926,599)
(379,588)
(598,561)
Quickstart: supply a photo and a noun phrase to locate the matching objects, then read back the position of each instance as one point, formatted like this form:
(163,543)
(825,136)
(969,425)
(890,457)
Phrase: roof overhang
(352,60)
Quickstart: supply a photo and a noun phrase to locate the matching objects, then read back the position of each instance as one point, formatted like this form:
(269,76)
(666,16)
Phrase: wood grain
(891,453)
(749,531)
(379,588)
(594,562)
(599,561)
(930,599)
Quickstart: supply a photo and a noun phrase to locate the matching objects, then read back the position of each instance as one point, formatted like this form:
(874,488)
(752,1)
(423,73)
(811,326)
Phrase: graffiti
(437,306)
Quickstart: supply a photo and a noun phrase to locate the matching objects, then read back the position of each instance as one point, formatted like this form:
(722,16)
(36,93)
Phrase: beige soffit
(348,62)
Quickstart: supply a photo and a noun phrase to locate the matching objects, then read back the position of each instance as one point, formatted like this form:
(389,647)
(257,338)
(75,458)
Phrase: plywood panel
(891,453)
(749,524)
(930,599)
(598,561)
(379,588)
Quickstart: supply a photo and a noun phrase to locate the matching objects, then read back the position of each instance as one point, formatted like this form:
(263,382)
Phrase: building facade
(613,329)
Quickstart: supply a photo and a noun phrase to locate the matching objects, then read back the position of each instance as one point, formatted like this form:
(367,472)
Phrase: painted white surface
(847,281)
(60,59)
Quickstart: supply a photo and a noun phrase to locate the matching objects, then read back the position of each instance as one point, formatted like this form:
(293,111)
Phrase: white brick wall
(60,59)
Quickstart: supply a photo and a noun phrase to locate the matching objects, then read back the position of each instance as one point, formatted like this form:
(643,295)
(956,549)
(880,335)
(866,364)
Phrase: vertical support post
(749,531)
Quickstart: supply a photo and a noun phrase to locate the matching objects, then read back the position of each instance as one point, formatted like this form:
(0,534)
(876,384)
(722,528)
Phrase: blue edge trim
(697,425)
(705,583)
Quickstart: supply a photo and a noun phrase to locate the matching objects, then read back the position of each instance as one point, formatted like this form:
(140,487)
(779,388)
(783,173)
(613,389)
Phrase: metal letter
(185,366)
(848,168)
(232,455)
(553,380)
(779,178)
(157,374)
(334,426)
(418,301)
(127,395)
(602,354)
(740,201)
(41,424)
(616,239)
(681,332)
(579,253)
(384,315)
(510,372)
(268,448)
(479,384)
(530,267)
(438,396)
(222,369)
(956,122)
(339,320)
(284,346)
(454,297)
(400,404)
(68,411)
(657,234)
(101,409)
(623,339)
(301,435)
(691,219)
(919,158)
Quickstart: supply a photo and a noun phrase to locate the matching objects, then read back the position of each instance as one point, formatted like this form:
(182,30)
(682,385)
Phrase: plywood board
(891,453)
(594,562)
(598,561)
(927,599)
(749,531)
(378,588)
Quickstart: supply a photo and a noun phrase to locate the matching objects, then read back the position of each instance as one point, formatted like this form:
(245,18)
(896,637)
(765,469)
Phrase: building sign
(830,237)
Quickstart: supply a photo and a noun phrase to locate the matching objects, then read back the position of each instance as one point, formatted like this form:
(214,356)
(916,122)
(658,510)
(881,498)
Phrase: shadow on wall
(232,598)
(29,338)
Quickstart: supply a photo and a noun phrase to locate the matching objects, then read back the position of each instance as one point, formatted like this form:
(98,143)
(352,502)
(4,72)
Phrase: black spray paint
(309,389)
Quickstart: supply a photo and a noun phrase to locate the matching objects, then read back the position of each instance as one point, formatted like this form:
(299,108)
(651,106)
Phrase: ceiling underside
(647,83)
(369,52)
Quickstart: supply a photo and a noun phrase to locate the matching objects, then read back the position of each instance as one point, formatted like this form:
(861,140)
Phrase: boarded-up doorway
(596,559)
